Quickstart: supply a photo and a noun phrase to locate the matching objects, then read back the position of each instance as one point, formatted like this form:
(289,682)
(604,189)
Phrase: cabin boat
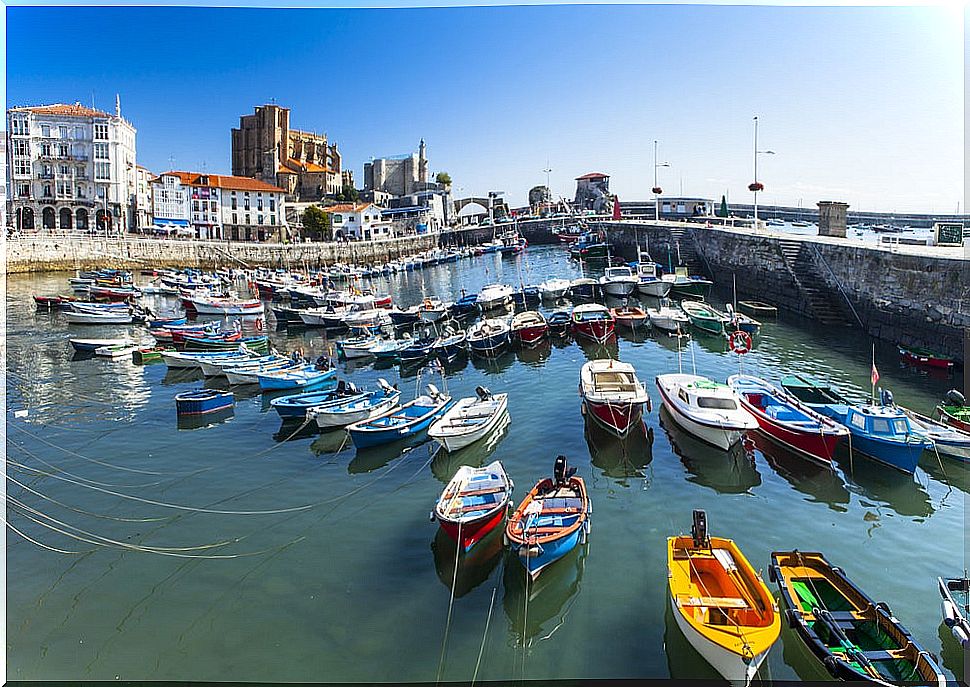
(351,410)
(473,503)
(553,289)
(787,421)
(529,327)
(668,318)
(470,419)
(720,603)
(618,282)
(431,309)
(650,283)
(594,322)
(710,411)
(405,422)
(853,637)
(551,521)
(494,296)
(685,285)
(489,336)
(612,395)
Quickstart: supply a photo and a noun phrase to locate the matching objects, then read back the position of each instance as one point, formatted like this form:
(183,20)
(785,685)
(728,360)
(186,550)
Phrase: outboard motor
(561,472)
(433,391)
(323,363)
(483,393)
(341,387)
(699,530)
(886,397)
(351,388)
(955,398)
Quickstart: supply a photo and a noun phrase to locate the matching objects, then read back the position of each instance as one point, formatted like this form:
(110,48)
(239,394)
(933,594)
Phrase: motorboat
(668,318)
(529,327)
(473,503)
(618,282)
(470,419)
(594,322)
(553,289)
(493,296)
(710,411)
(612,395)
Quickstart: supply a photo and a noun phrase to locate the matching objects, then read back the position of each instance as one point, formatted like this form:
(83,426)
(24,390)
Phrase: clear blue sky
(860,104)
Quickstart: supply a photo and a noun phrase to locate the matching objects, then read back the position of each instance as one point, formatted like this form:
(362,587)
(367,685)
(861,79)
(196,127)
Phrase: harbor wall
(48,254)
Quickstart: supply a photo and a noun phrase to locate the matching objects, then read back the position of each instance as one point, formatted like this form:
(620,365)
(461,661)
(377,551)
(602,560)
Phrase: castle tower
(422,162)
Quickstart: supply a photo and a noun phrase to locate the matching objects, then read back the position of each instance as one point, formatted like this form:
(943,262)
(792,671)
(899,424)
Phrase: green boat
(149,355)
(954,410)
(704,317)
(687,286)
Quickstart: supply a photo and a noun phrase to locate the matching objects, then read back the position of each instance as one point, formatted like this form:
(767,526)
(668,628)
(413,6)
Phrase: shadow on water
(536,609)
(182,375)
(474,566)
(683,660)
(200,421)
(952,473)
(726,472)
(375,457)
(952,655)
(798,656)
(293,429)
(886,486)
(620,459)
(445,464)
(534,355)
(332,441)
(492,365)
(821,484)
(599,351)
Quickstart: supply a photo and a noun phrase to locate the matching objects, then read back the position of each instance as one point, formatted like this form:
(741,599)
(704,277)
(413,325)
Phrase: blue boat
(405,422)
(551,521)
(297,405)
(165,322)
(418,349)
(465,306)
(488,337)
(882,432)
(527,295)
(308,378)
(351,410)
(449,345)
(203,401)
(559,322)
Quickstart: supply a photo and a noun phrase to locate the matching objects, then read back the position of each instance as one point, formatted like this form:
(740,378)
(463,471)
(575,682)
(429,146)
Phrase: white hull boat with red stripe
(612,394)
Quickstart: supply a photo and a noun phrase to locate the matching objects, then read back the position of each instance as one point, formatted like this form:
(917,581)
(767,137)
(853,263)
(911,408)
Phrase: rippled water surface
(145,551)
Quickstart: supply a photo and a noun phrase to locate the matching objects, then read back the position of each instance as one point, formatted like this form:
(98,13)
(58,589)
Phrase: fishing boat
(924,358)
(151,354)
(466,306)
(554,288)
(704,317)
(91,317)
(954,411)
(450,344)
(629,316)
(350,410)
(668,317)
(204,305)
(165,322)
(242,374)
(297,406)
(853,637)
(116,350)
(217,367)
(612,395)
(947,441)
(431,309)
(787,421)
(559,322)
(493,296)
(526,296)
(369,319)
(529,327)
(473,503)
(775,222)
(594,322)
(649,281)
(583,288)
(406,316)
(489,336)
(720,603)
(757,309)
(685,285)
(470,419)
(389,349)
(258,344)
(308,377)
(551,521)
(618,282)
(356,347)
(91,345)
(418,348)
(203,401)
(178,359)
(405,422)
(710,411)
(880,432)
(956,607)
(740,321)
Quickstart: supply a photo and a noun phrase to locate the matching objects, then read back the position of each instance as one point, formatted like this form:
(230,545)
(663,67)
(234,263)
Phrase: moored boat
(685,285)
(297,406)
(955,607)
(757,309)
(469,420)
(629,316)
(489,336)
(594,322)
(116,350)
(954,411)
(710,411)
(924,358)
(559,322)
(91,345)
(618,282)
(473,503)
(351,410)
(947,440)
(529,327)
(649,281)
(612,395)
(704,317)
(668,317)
(492,296)
(308,377)
(203,401)
(553,288)
(405,422)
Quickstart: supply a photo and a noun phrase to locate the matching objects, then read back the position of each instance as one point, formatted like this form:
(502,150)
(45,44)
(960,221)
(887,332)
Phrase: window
(79,132)
(21,167)
(195,206)
(232,202)
(100,151)
(45,130)
(21,147)
(858,421)
(247,219)
(717,403)
(259,219)
(47,190)
(18,126)
(272,220)
(683,396)
(63,131)
(212,206)
(101,132)
(80,192)
(45,149)
(880,425)
(272,205)
(235,219)
(63,150)
(102,170)
(899,426)
(23,190)
(338,219)
(246,203)
(259,204)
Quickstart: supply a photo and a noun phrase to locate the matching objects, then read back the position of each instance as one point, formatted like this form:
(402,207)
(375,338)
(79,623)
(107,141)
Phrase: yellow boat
(720,603)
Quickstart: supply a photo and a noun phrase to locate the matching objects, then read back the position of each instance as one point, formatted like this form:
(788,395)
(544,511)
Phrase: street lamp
(656,188)
(757,186)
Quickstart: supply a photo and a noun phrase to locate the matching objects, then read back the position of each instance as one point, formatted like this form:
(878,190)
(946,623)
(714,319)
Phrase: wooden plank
(715,601)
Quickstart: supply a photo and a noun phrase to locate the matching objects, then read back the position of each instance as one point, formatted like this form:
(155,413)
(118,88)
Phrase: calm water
(224,553)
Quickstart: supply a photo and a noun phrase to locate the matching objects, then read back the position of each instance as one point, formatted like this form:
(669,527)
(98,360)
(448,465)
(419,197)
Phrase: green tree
(723,210)
(443,178)
(347,194)
(316,224)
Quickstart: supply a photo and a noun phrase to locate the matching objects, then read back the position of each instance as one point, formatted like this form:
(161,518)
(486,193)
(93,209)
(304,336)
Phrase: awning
(164,222)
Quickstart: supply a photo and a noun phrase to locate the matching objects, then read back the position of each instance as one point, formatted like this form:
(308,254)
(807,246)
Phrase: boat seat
(716,601)
(488,505)
(482,492)
(844,616)
(560,503)
(880,655)
(545,530)
(562,511)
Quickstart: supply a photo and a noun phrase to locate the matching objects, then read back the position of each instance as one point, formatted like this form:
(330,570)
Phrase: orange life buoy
(740,342)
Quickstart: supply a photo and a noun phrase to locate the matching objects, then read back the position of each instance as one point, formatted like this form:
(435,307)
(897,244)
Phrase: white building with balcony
(71,168)
(216,206)
(358,221)
(143,199)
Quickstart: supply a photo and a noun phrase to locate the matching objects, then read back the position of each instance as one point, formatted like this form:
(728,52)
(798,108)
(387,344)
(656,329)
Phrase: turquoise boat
(407,421)
(704,317)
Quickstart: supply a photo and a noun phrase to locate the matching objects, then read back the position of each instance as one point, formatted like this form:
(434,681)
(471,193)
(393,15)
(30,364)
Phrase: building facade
(72,168)
(143,200)
(593,192)
(215,206)
(358,221)
(302,163)
(400,175)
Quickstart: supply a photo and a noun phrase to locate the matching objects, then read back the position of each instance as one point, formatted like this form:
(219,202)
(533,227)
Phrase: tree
(316,223)
(347,194)
(443,178)
(723,210)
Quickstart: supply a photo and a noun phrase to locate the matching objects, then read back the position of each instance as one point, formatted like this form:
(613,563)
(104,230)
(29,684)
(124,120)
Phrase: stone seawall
(46,254)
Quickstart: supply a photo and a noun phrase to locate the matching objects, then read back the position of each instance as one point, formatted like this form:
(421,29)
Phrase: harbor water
(139,548)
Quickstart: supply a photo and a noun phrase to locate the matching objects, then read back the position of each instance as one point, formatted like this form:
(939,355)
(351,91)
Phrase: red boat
(786,420)
(114,294)
(529,327)
(382,301)
(919,356)
(473,503)
(593,321)
(613,395)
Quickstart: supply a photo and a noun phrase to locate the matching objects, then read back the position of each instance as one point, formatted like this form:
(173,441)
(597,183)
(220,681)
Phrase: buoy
(961,635)
(949,613)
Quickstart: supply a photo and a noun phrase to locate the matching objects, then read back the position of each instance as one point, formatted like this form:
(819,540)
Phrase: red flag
(616,208)
(875,374)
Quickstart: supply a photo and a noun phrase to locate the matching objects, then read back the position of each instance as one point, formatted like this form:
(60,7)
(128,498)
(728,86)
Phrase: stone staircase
(682,244)
(824,303)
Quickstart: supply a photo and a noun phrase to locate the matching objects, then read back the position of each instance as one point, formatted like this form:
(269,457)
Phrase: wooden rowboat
(757,309)
(629,316)
(473,503)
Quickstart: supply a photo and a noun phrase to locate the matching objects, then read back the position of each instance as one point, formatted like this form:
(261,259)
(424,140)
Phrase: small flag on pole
(875,374)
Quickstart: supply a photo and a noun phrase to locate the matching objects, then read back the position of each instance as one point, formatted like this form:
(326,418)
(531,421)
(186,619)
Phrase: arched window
(25,219)
(48,218)
(102,221)
(82,219)
(65,218)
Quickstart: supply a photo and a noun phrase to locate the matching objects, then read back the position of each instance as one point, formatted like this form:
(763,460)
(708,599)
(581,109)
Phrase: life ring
(740,341)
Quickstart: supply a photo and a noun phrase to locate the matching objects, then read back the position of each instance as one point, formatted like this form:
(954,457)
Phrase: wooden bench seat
(714,601)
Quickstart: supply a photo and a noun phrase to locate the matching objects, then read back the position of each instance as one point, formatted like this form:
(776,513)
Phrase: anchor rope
(481,649)
(451,603)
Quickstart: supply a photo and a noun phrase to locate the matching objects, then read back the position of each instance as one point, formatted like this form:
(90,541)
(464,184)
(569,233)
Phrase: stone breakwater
(49,254)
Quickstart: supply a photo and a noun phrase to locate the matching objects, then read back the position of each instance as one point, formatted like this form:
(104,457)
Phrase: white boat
(356,409)
(668,318)
(613,395)
(222,306)
(710,411)
(553,289)
(618,282)
(469,420)
(649,283)
(432,309)
(88,345)
(494,296)
(374,317)
(948,441)
(74,317)
(215,367)
(357,347)
(180,359)
(775,222)
(249,374)
(116,351)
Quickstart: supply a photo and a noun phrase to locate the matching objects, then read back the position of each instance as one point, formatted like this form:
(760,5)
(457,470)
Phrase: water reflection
(200,421)
(887,486)
(952,655)
(292,429)
(598,351)
(474,566)
(492,365)
(683,660)
(535,355)
(952,473)
(620,459)
(375,457)
(445,464)
(548,599)
(333,441)
(726,472)
(820,483)
(182,375)
(799,657)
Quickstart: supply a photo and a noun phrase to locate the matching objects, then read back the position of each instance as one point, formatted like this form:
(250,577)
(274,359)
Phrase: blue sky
(860,104)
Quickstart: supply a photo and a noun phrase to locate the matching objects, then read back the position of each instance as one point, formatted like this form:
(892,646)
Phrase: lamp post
(757,186)
(656,189)
(548,170)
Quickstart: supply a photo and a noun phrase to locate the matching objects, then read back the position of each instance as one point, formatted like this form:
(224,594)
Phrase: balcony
(46,175)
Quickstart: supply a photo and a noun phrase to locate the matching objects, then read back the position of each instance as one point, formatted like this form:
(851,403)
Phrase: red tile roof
(223,181)
(293,165)
(348,207)
(75,110)
(593,175)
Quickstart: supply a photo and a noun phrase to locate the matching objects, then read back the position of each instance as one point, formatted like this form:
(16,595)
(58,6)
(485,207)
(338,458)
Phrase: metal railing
(838,283)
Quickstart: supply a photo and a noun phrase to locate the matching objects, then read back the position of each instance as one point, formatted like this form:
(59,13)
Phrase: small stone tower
(831,218)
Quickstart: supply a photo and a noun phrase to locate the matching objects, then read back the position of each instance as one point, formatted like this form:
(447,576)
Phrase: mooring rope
(451,603)
(481,649)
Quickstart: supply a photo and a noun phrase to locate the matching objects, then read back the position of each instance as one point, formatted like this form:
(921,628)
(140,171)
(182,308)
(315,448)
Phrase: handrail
(699,252)
(819,255)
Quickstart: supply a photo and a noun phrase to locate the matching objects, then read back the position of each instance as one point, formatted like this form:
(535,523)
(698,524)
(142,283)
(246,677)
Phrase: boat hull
(535,558)
(598,331)
(467,534)
(723,439)
(618,289)
(655,289)
(530,336)
(327,420)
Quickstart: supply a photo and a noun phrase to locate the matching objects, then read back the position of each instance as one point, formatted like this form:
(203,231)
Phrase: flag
(875,374)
